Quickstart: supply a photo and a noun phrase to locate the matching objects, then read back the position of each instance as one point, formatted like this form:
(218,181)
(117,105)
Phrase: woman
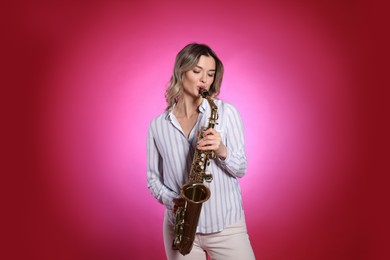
(172,141)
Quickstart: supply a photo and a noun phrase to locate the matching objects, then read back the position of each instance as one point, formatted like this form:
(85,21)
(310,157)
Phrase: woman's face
(201,76)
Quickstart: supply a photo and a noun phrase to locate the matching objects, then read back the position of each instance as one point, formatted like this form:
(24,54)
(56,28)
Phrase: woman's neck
(186,107)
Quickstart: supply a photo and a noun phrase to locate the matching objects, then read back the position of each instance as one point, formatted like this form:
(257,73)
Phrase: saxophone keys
(208,177)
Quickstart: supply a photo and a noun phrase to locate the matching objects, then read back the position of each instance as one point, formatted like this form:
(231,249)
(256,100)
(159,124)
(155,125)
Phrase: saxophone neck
(214,109)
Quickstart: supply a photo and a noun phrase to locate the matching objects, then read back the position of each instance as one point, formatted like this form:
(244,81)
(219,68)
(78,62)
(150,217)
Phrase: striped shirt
(170,154)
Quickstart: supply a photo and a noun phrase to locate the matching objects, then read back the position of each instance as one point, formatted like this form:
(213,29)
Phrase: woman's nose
(203,79)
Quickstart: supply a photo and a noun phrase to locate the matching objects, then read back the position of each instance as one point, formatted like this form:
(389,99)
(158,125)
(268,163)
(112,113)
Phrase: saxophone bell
(194,194)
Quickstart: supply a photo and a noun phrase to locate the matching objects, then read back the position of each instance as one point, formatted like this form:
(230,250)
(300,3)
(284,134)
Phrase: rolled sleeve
(235,162)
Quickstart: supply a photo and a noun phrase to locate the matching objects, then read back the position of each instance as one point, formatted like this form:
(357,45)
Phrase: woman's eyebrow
(200,67)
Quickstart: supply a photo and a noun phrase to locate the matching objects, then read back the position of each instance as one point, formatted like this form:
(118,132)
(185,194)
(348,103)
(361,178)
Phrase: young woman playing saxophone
(172,142)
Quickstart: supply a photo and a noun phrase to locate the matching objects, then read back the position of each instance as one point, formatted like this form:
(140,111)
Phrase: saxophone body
(194,191)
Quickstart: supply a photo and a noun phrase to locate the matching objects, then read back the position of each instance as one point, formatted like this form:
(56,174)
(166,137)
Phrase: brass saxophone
(194,191)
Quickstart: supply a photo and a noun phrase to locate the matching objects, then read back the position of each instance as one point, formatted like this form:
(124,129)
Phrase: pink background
(89,77)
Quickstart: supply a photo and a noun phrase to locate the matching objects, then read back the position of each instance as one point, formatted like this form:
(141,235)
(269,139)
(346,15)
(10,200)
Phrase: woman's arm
(155,180)
(231,154)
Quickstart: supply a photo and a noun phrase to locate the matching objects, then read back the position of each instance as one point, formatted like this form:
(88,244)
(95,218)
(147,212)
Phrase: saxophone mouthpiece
(204,92)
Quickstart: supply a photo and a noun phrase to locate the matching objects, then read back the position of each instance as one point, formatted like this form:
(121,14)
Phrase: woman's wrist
(223,153)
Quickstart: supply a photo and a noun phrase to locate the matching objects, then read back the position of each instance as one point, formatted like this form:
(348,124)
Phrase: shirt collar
(203,106)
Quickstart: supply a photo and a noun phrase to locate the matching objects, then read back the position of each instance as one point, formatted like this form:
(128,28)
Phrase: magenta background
(91,76)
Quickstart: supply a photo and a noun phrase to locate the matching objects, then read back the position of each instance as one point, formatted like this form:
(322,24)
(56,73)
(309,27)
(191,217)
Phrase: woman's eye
(196,71)
(211,75)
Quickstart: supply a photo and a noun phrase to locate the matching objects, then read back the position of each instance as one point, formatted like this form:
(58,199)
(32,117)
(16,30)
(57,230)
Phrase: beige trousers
(230,244)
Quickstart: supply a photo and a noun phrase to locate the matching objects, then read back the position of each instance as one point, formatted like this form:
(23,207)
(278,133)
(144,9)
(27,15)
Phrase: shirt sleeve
(235,162)
(155,180)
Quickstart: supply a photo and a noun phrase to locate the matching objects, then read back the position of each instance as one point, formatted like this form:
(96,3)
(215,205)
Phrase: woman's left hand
(212,141)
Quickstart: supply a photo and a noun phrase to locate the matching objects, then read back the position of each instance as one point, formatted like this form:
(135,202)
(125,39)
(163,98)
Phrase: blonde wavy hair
(186,60)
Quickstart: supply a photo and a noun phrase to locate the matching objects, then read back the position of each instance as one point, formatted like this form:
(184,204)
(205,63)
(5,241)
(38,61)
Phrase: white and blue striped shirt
(170,154)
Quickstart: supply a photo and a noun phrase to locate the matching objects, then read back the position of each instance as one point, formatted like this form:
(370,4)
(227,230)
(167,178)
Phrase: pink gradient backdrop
(98,74)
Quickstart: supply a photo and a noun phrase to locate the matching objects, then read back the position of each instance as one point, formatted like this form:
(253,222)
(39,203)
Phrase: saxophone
(194,191)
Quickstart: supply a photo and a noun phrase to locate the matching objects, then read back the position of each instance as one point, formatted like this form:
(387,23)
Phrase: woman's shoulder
(225,105)
(159,118)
